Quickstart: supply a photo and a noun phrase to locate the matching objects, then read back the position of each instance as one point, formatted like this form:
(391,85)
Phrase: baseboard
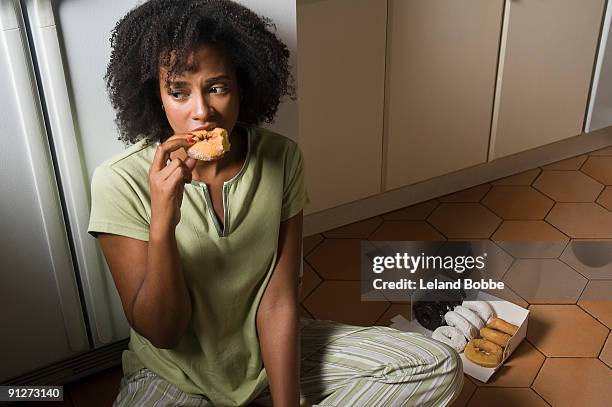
(409,195)
(73,368)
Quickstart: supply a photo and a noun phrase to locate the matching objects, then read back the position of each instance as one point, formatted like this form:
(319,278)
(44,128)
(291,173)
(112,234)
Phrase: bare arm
(148,275)
(150,282)
(278,318)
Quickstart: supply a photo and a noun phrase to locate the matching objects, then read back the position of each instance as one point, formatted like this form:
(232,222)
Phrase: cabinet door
(547,63)
(341,75)
(442,61)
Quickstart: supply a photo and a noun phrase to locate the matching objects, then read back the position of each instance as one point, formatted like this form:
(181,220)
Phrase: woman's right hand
(167,182)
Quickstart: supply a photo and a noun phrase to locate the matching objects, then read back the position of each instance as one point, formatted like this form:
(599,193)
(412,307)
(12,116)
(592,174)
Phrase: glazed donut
(483,352)
(495,336)
(450,336)
(482,308)
(471,316)
(501,325)
(468,330)
(210,144)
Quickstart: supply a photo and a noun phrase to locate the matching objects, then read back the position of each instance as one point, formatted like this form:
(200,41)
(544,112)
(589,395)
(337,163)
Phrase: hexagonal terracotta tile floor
(530,239)
(605,199)
(404,310)
(574,382)
(603,151)
(406,230)
(506,397)
(310,280)
(517,202)
(414,212)
(581,220)
(466,393)
(523,178)
(573,163)
(545,281)
(357,230)
(606,353)
(311,242)
(596,299)
(600,168)
(464,220)
(565,331)
(337,259)
(591,258)
(474,194)
(568,186)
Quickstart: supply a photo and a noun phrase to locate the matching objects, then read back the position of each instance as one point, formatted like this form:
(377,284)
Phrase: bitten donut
(468,330)
(471,316)
(495,336)
(483,352)
(482,308)
(450,336)
(210,144)
(504,326)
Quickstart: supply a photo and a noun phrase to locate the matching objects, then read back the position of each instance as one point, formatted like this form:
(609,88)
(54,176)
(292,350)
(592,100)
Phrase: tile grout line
(313,269)
(383,313)
(603,346)
(539,395)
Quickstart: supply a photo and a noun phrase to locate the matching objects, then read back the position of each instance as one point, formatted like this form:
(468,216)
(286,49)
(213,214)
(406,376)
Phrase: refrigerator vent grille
(74,368)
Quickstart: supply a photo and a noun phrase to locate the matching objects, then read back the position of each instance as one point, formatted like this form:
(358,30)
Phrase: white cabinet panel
(341,95)
(547,66)
(442,59)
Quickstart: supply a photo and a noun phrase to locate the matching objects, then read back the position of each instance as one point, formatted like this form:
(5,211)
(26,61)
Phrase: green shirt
(226,268)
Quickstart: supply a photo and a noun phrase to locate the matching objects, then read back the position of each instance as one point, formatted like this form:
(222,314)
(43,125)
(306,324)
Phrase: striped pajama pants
(341,365)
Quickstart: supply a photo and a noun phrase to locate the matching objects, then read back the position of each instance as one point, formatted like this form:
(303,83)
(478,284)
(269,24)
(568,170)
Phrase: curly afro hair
(146,38)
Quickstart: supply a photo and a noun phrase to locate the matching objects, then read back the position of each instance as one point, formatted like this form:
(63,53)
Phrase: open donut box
(503,309)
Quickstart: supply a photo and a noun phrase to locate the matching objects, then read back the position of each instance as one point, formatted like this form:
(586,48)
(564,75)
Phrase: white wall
(283,14)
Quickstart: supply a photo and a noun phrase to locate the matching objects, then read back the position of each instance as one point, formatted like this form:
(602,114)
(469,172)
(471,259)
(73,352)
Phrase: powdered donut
(501,325)
(450,336)
(468,330)
(471,316)
(482,308)
(483,353)
(495,336)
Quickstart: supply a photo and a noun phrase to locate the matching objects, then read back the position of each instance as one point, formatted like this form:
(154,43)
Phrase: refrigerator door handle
(25,94)
(75,183)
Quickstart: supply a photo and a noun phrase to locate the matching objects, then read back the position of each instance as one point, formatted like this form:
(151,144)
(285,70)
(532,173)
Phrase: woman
(206,255)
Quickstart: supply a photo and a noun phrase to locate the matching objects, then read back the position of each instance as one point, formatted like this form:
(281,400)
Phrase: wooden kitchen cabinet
(441,67)
(396,92)
(341,76)
(547,56)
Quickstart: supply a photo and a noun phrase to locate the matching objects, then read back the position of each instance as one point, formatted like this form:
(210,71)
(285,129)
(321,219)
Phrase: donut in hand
(210,144)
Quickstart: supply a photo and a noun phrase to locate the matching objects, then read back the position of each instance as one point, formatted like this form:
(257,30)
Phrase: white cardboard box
(505,310)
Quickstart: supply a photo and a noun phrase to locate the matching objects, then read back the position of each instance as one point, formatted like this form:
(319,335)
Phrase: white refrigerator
(60,314)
